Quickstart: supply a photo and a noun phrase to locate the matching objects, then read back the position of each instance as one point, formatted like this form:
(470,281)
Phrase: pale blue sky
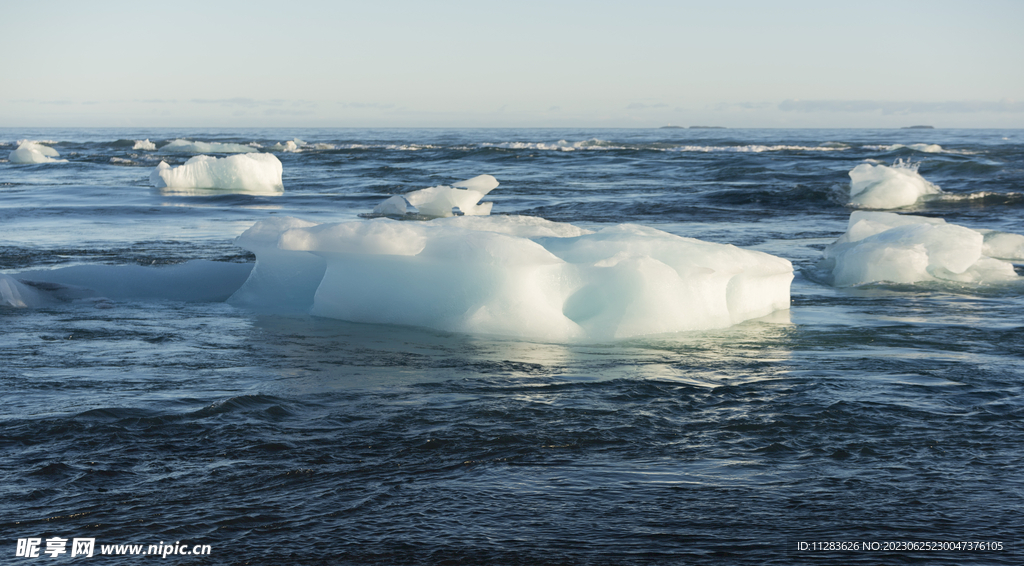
(522,63)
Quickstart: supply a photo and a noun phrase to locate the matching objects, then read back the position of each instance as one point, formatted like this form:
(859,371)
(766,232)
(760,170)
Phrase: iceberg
(34,152)
(462,198)
(883,187)
(894,248)
(185,146)
(257,173)
(514,276)
(144,145)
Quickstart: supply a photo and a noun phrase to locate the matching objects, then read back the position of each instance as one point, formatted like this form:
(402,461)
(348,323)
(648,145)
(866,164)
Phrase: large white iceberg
(34,152)
(258,173)
(443,201)
(514,276)
(186,146)
(884,187)
(894,248)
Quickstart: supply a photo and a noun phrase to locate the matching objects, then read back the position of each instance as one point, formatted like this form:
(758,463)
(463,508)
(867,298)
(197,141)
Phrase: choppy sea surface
(888,414)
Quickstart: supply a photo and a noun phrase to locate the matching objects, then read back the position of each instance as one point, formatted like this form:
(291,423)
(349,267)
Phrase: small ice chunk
(34,152)
(888,247)
(926,147)
(291,146)
(395,206)
(144,145)
(186,146)
(882,187)
(252,172)
(439,202)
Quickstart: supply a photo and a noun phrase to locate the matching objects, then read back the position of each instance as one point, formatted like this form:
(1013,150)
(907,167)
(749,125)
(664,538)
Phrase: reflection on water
(269,191)
(321,353)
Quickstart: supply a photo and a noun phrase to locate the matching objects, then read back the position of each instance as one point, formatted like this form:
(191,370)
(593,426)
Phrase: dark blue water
(884,413)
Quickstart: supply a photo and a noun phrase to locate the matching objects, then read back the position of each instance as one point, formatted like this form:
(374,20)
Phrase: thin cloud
(642,106)
(904,107)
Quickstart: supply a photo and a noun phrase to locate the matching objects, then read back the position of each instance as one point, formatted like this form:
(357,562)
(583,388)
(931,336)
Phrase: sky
(513,64)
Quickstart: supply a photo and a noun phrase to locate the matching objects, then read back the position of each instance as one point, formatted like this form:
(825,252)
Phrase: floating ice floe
(883,187)
(14,293)
(144,145)
(509,275)
(894,248)
(258,173)
(193,281)
(462,198)
(185,146)
(34,152)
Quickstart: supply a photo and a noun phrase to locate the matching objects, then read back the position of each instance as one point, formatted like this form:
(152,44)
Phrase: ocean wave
(920,147)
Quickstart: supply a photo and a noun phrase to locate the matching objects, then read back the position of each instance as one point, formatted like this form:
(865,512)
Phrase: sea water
(161,414)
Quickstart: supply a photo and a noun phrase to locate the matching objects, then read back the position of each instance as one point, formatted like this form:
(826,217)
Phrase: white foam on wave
(921,147)
(193,281)
(29,151)
(256,173)
(144,145)
(602,145)
(186,146)
(882,187)
(755,148)
(462,198)
(894,248)
(514,276)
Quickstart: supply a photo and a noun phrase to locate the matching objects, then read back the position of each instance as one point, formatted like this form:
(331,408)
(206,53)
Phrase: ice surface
(14,293)
(34,152)
(438,202)
(144,145)
(258,173)
(193,281)
(882,187)
(185,146)
(888,247)
(510,275)
(1003,245)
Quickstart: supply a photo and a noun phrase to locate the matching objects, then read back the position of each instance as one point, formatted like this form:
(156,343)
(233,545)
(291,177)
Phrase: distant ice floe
(883,187)
(290,146)
(296,145)
(509,275)
(256,173)
(34,152)
(144,145)
(185,146)
(894,248)
(462,198)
